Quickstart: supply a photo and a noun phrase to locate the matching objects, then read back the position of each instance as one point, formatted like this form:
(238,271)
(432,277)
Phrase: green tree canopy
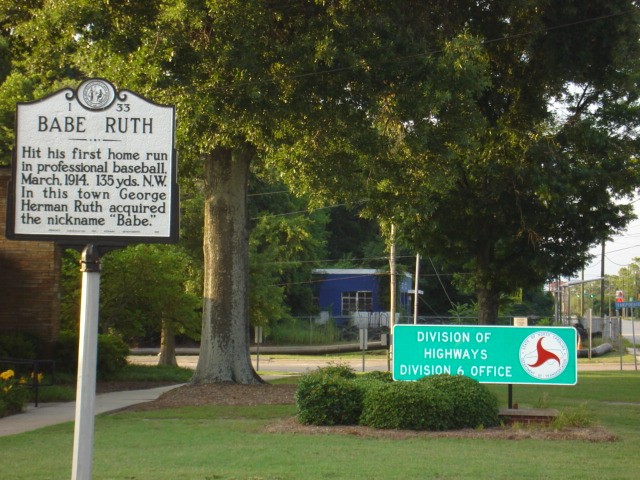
(438,114)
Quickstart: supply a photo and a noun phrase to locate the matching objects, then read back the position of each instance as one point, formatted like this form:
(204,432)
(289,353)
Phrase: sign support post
(87,360)
(364,339)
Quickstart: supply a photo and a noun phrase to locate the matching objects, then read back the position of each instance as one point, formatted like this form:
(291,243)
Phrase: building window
(361,301)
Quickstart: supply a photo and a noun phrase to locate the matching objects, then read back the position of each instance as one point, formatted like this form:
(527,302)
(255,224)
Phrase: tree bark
(167,345)
(224,348)
(487,294)
(488,306)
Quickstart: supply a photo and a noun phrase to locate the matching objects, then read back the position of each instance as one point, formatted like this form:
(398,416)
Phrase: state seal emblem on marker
(96,94)
(544,355)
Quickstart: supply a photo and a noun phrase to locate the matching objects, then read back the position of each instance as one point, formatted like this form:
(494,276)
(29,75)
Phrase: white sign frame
(94,166)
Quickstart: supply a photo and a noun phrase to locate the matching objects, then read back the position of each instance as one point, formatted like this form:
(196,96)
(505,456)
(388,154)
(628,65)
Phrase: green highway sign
(488,354)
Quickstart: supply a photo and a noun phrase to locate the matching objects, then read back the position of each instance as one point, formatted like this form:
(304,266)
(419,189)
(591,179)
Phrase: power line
(308,210)
(441,284)
(267,193)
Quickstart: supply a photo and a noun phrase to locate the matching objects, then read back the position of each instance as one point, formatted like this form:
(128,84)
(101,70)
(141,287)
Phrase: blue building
(358,295)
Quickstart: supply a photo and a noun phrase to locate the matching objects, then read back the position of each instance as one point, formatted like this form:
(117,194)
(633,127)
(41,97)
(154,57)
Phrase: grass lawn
(218,442)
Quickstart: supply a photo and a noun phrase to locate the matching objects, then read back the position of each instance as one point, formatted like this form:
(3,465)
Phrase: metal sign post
(364,339)
(258,338)
(87,360)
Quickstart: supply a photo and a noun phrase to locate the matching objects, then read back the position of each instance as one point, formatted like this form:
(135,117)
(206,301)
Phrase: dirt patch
(266,394)
(221,394)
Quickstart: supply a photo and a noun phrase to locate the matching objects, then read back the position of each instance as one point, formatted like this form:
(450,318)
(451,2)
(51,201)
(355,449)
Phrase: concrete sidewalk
(47,414)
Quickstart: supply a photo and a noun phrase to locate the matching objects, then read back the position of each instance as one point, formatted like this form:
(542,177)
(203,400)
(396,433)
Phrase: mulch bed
(266,394)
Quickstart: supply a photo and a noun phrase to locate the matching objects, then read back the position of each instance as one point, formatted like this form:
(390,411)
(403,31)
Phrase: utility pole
(392,295)
(602,282)
(415,290)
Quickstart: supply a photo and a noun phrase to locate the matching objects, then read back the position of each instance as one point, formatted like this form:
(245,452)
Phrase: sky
(619,252)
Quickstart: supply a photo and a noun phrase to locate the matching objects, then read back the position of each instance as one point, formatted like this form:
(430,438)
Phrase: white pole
(392,291)
(590,320)
(87,362)
(415,291)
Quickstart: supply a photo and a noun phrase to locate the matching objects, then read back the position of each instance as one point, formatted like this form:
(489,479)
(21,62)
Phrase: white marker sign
(94,166)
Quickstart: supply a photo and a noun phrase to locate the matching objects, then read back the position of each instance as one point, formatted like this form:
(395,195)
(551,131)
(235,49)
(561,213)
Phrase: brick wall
(29,281)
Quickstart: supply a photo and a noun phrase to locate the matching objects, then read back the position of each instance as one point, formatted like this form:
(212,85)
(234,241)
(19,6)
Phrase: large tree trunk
(167,345)
(488,306)
(487,294)
(224,347)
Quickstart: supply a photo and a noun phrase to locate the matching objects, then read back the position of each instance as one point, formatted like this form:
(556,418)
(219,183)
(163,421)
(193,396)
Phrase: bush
(327,397)
(406,405)
(377,375)
(337,369)
(112,353)
(18,345)
(13,395)
(473,404)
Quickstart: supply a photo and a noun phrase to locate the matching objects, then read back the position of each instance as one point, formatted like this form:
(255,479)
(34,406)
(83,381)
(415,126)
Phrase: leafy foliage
(473,404)
(329,396)
(13,396)
(18,345)
(143,285)
(406,405)
(112,353)
(439,119)
(333,395)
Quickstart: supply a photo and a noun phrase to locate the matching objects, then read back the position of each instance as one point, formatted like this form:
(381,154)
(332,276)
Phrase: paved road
(631,330)
(270,366)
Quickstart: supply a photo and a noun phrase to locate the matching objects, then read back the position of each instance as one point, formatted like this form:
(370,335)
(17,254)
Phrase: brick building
(29,281)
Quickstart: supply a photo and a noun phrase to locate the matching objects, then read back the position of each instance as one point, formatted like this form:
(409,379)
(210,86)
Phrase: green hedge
(329,396)
(112,353)
(406,405)
(18,345)
(335,396)
(473,404)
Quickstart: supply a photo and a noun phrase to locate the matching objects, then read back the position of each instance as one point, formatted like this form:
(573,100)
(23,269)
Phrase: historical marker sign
(488,354)
(94,166)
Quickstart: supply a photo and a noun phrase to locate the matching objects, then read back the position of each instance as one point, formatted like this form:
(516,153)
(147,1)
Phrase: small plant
(543,401)
(13,396)
(579,417)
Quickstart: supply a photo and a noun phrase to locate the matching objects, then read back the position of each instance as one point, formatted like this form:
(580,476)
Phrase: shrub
(18,345)
(327,397)
(13,396)
(377,375)
(112,353)
(473,404)
(337,369)
(406,405)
